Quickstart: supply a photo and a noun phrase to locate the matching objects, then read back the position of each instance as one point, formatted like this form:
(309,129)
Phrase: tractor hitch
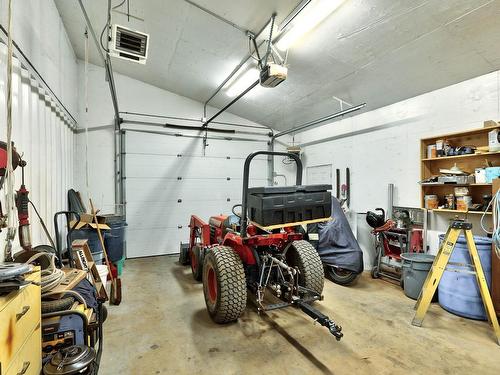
(321,318)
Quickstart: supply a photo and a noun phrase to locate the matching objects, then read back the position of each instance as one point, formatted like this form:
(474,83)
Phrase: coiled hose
(52,277)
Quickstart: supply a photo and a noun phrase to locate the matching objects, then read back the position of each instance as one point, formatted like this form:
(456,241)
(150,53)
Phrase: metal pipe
(320,120)
(220,18)
(193,136)
(175,126)
(363,131)
(205,124)
(294,13)
(242,62)
(195,120)
(106,62)
(390,200)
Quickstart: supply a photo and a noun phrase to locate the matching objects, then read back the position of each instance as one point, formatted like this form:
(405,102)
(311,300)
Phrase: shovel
(116,284)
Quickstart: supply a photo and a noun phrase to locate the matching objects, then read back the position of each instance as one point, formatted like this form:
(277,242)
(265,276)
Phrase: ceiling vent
(129,44)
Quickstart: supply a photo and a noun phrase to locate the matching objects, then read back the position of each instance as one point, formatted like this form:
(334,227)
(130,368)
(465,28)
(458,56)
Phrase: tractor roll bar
(246,175)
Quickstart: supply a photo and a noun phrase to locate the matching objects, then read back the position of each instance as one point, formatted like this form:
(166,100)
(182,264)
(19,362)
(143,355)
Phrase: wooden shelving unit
(430,166)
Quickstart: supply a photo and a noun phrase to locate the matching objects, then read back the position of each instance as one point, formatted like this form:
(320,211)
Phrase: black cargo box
(274,205)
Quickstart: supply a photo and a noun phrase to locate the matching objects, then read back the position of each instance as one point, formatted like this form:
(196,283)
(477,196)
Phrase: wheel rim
(341,272)
(212,285)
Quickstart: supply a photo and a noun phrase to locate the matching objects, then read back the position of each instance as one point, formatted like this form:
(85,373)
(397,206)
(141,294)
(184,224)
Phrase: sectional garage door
(168,178)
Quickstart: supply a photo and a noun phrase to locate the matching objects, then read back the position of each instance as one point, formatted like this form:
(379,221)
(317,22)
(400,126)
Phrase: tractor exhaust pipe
(322,319)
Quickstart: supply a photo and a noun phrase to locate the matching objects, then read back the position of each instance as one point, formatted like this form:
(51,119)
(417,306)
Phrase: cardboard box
(87,220)
(490,123)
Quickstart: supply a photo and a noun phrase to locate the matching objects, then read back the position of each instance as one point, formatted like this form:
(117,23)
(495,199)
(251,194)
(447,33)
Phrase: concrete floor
(162,327)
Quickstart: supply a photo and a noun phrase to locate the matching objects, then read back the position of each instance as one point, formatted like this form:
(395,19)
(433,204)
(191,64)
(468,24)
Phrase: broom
(116,284)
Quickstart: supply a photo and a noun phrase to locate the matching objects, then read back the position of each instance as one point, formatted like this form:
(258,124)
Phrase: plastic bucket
(416,266)
(114,240)
(458,289)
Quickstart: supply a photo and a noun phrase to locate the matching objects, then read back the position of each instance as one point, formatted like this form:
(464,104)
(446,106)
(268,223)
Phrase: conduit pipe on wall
(320,120)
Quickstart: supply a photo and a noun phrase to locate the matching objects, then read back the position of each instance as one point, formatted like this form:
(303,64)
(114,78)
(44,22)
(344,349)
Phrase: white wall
(133,96)
(39,31)
(392,155)
(39,133)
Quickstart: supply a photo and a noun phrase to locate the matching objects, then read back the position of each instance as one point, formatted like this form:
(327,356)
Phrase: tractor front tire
(224,284)
(196,261)
(303,255)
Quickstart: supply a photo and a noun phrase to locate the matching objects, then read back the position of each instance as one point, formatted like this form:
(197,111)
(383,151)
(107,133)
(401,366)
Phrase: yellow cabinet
(20,335)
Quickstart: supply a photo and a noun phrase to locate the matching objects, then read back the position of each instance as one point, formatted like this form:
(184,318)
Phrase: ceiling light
(243,82)
(308,18)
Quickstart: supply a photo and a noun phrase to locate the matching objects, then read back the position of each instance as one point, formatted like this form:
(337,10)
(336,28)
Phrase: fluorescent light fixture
(308,18)
(242,82)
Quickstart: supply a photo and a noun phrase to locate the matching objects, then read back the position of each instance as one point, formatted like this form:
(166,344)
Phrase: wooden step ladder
(434,276)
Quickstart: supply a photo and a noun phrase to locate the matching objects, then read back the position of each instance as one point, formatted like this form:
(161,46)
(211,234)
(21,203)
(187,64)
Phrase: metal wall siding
(44,140)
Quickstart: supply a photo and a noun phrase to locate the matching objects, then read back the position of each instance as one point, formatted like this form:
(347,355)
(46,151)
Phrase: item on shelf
(493,141)
(431,201)
(465,150)
(461,191)
(449,200)
(492,173)
(455,170)
(480,175)
(482,149)
(431,151)
(464,203)
(486,202)
(462,180)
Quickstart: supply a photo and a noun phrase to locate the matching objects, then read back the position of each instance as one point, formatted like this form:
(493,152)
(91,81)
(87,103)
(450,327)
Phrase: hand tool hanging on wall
(22,201)
(343,192)
(3,166)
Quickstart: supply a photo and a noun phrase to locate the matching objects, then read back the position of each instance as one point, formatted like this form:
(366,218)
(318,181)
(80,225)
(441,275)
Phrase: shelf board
(463,156)
(454,185)
(459,212)
(461,134)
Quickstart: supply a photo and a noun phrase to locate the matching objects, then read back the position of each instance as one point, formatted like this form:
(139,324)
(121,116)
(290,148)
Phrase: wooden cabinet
(20,331)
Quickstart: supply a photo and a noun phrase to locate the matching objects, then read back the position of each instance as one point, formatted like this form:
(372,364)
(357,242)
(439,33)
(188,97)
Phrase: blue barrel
(114,240)
(92,238)
(458,289)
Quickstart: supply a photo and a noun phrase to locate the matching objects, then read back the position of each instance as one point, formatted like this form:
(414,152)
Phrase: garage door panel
(161,166)
(171,215)
(199,190)
(159,205)
(153,242)
(158,144)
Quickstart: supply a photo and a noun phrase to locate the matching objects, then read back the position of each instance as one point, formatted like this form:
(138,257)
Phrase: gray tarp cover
(337,244)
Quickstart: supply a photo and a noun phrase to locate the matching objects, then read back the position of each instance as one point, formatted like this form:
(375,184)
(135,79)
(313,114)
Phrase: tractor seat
(229,222)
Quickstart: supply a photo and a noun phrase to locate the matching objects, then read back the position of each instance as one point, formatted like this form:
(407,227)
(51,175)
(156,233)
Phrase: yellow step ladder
(434,276)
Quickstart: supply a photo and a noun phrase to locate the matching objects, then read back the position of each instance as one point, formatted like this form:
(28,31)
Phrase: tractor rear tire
(196,262)
(224,284)
(304,256)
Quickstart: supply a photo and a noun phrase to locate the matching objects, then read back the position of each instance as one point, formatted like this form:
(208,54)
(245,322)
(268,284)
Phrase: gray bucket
(416,266)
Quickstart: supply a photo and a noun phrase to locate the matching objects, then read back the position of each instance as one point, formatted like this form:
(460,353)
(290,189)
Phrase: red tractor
(261,251)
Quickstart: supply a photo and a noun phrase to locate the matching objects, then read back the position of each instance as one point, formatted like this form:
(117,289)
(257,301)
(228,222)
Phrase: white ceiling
(374,51)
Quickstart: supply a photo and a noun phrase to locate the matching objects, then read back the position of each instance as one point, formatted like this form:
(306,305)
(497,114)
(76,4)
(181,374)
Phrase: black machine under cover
(336,243)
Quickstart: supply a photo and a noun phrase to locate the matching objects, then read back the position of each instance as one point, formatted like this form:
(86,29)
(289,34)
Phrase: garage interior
(232,187)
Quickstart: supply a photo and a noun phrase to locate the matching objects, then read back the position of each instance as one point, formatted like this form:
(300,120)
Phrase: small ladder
(434,276)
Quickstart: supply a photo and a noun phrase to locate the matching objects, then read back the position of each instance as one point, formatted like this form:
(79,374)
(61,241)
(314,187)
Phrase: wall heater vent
(129,44)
